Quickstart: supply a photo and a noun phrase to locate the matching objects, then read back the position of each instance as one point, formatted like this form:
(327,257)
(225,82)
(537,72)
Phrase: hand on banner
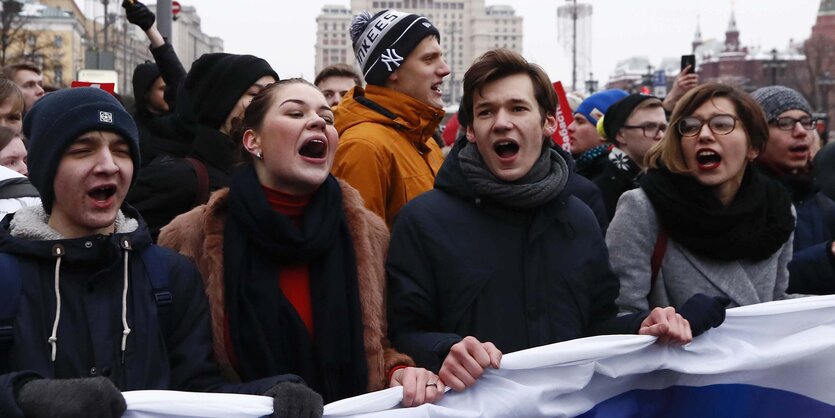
(667,325)
(95,397)
(295,400)
(466,362)
(419,386)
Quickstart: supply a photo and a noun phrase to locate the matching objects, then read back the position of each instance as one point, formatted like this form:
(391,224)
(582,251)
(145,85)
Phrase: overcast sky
(284,31)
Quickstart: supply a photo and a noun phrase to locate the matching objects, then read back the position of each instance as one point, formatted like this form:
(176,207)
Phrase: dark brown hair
(337,70)
(498,64)
(668,151)
(256,112)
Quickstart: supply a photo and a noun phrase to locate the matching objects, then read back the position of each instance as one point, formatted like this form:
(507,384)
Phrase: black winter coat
(460,264)
(90,328)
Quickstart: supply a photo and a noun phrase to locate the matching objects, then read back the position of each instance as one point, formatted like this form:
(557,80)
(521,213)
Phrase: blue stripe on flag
(728,400)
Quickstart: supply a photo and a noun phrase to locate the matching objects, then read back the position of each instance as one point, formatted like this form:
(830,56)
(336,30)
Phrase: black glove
(94,397)
(138,14)
(295,400)
(704,312)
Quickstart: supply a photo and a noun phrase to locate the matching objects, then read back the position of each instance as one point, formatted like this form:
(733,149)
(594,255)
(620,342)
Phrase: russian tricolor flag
(774,359)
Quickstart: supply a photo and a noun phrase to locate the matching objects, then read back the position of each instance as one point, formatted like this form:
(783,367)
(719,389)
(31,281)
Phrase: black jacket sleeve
(171,69)
(410,282)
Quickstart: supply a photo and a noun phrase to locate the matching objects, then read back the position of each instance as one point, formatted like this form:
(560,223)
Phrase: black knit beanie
(144,76)
(59,118)
(217,81)
(619,112)
(383,41)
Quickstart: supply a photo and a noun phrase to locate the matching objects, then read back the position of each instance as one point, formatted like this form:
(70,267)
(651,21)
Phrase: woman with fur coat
(293,262)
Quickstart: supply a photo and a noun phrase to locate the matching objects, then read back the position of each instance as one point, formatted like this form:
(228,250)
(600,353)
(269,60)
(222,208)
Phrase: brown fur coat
(198,234)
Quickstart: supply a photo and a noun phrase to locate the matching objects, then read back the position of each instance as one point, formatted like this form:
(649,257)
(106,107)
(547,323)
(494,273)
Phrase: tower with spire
(732,34)
(825,23)
(697,37)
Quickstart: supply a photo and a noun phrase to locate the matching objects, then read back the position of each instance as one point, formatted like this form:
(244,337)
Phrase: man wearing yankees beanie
(386,149)
(90,306)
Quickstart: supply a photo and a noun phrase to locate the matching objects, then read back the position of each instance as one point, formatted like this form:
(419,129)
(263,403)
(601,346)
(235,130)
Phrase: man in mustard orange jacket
(386,149)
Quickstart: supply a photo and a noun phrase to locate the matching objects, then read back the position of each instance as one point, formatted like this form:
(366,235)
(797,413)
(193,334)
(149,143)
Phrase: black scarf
(268,336)
(752,227)
(545,180)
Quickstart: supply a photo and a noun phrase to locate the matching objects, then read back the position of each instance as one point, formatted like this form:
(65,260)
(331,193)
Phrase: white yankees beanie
(383,41)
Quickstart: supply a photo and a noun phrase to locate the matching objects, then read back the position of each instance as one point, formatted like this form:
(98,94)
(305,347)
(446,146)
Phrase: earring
(258,155)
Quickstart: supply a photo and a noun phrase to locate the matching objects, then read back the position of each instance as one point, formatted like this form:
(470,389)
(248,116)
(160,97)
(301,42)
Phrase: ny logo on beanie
(391,57)
(105,117)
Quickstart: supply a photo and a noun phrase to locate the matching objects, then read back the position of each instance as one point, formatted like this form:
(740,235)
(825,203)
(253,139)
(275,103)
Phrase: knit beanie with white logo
(383,41)
(59,118)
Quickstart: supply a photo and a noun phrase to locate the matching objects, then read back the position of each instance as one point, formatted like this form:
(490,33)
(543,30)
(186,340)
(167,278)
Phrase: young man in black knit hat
(91,307)
(633,125)
(386,150)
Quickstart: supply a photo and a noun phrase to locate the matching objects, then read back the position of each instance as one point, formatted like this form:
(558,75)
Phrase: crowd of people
(317,241)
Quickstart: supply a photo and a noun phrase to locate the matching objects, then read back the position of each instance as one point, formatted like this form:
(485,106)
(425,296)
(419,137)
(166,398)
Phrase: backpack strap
(657,256)
(12,285)
(202,195)
(156,266)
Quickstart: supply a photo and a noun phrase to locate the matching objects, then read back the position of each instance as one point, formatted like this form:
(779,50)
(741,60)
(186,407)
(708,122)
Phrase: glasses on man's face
(650,129)
(787,123)
(718,124)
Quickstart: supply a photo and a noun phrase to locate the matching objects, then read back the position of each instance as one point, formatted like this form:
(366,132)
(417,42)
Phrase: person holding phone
(685,81)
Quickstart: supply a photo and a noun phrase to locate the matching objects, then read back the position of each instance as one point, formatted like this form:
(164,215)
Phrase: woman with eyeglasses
(704,230)
(787,160)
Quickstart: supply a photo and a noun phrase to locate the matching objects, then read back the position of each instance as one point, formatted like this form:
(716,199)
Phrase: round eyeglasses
(718,124)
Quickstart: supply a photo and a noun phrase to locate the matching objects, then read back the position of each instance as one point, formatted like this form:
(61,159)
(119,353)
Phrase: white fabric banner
(779,351)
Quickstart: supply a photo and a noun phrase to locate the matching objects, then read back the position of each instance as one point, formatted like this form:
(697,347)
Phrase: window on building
(59,74)
(58,41)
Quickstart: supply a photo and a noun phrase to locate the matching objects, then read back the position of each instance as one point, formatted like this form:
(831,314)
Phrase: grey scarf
(542,183)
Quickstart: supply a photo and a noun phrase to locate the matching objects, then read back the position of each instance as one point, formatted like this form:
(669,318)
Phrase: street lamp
(775,65)
(591,83)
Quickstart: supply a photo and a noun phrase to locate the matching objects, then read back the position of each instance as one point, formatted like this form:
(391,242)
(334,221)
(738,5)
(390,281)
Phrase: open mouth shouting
(314,150)
(708,159)
(506,150)
(102,196)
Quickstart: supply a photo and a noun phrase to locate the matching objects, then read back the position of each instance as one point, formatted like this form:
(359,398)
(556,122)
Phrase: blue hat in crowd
(596,105)
(59,118)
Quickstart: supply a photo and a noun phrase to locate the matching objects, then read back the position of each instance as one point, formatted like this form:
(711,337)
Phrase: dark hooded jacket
(89,336)
(461,264)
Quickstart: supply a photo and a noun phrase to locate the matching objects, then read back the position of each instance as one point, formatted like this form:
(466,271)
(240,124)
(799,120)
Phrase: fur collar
(32,223)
